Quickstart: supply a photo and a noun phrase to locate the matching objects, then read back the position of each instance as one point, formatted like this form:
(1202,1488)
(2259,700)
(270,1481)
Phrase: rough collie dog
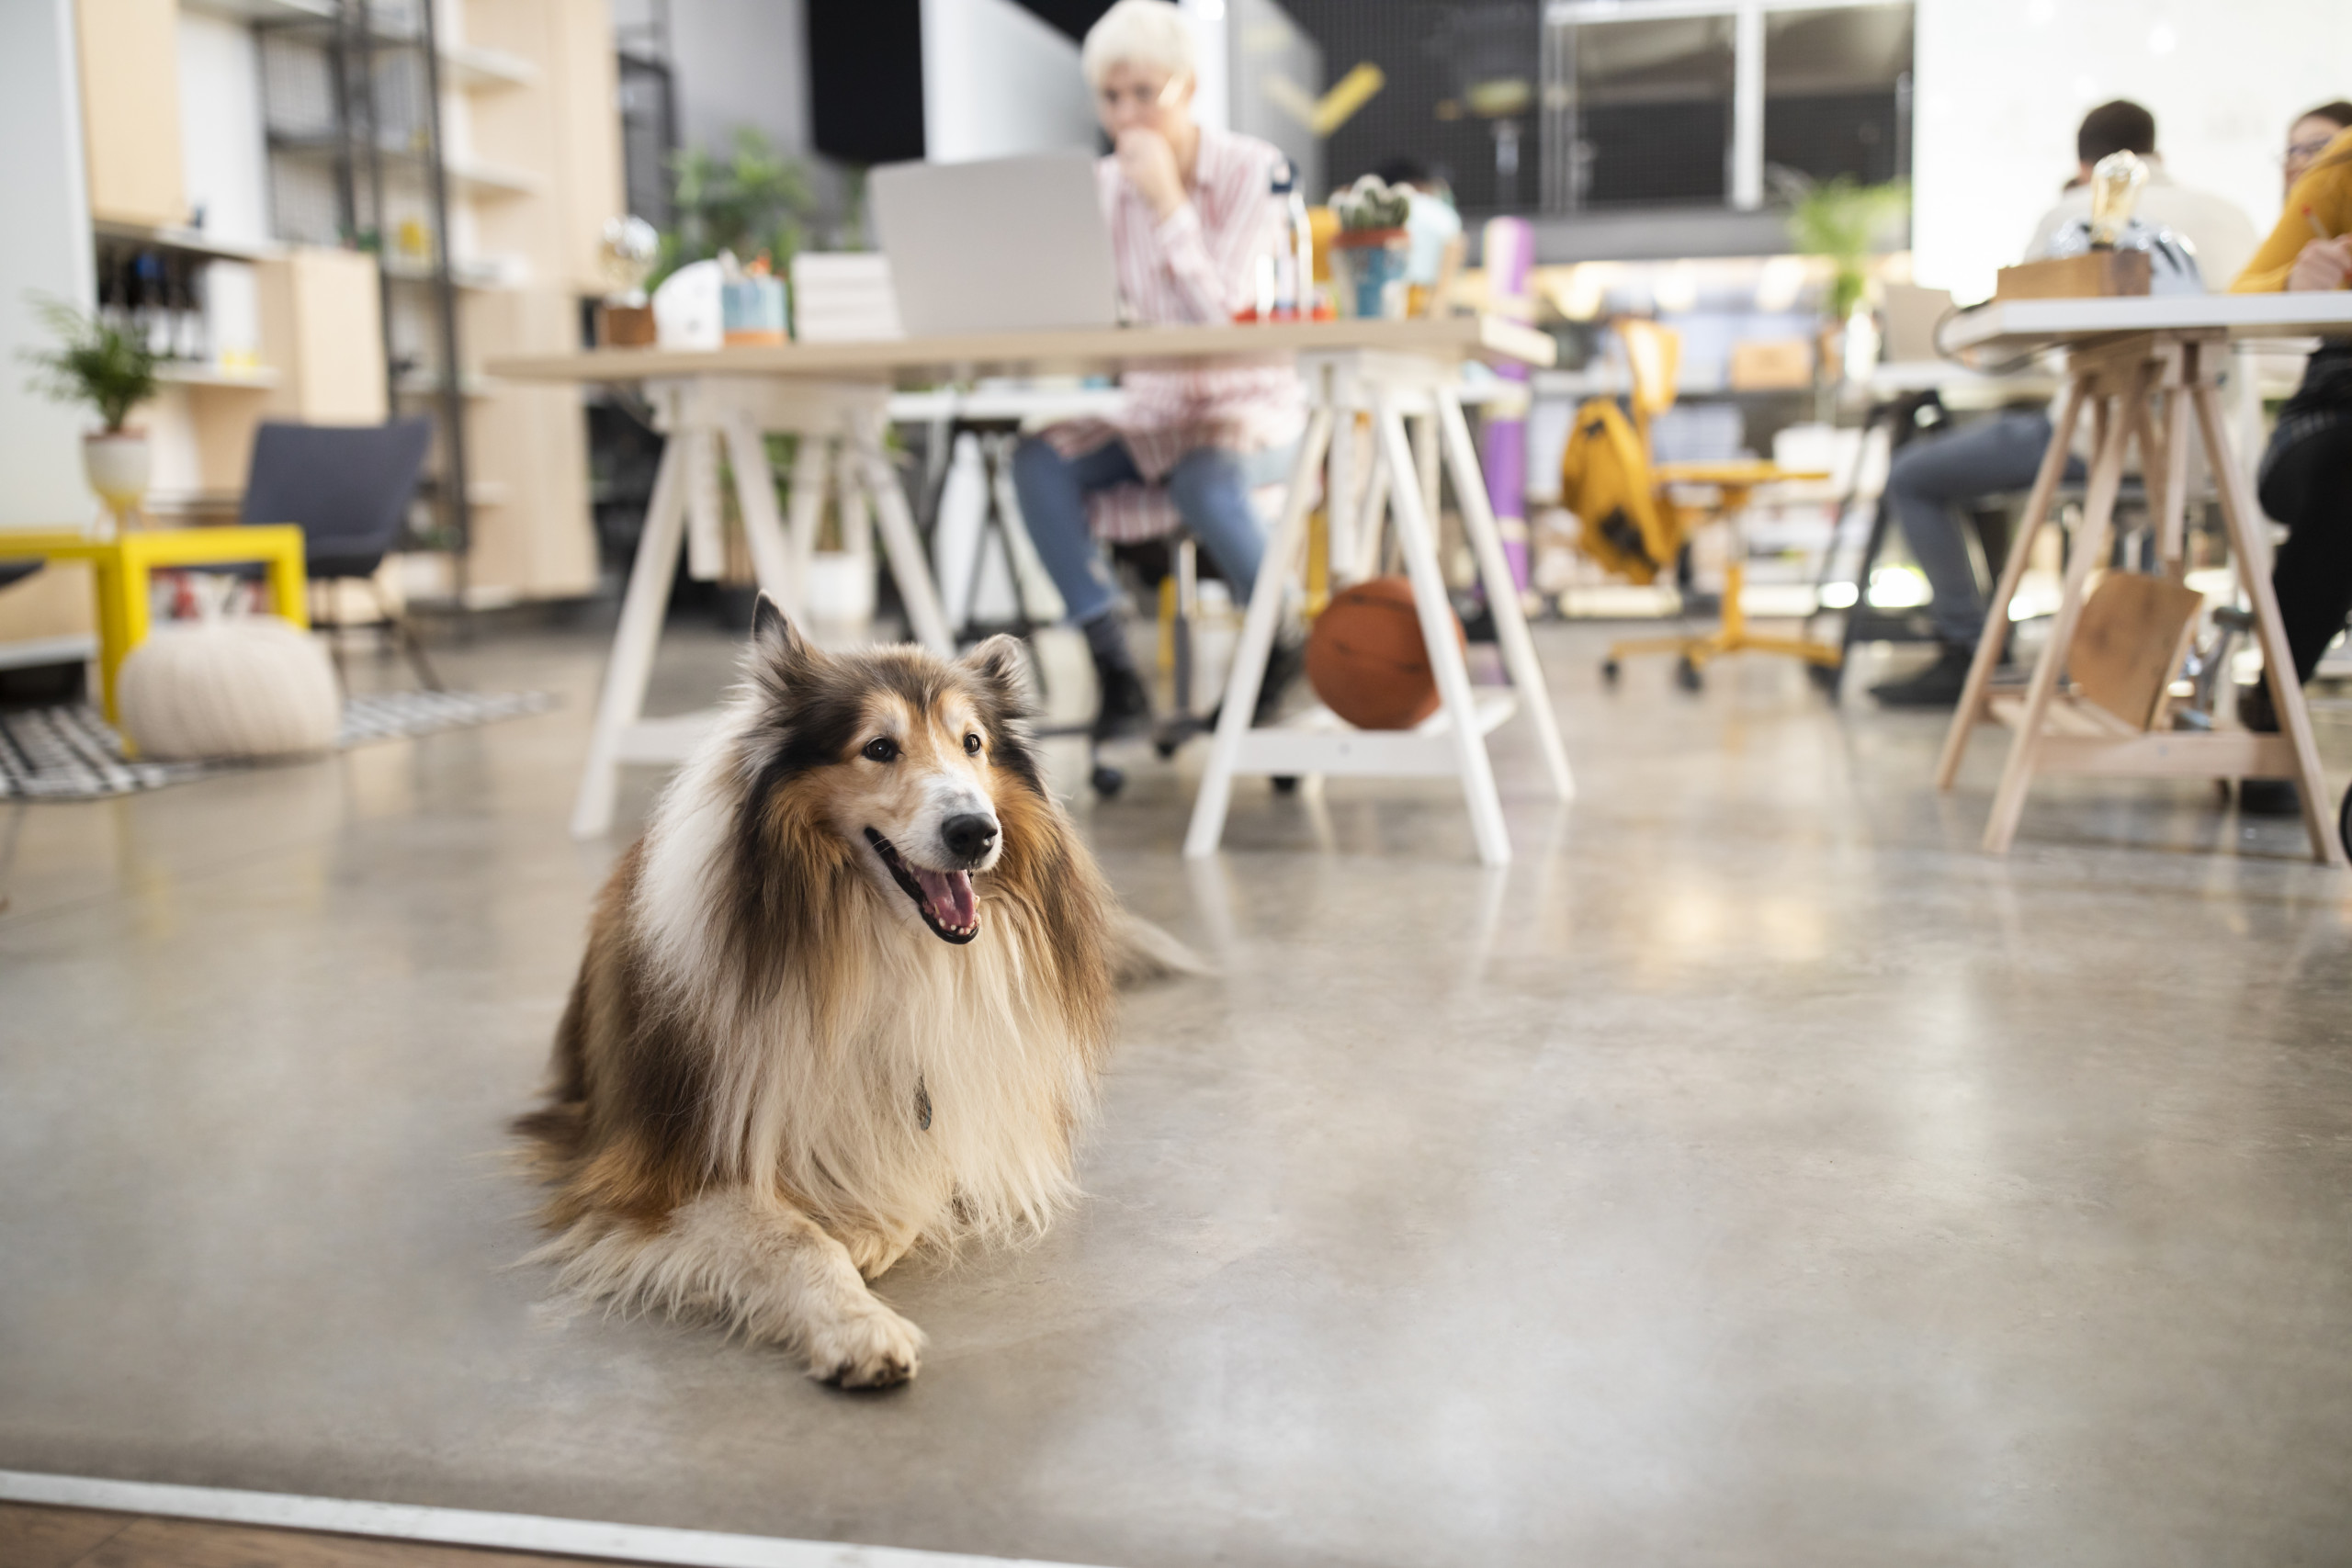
(848,996)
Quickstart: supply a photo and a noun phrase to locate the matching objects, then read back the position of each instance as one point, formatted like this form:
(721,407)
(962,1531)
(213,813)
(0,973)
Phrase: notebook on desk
(1005,244)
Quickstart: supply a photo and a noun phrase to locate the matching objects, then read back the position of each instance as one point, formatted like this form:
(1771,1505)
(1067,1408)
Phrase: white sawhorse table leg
(1452,742)
(1417,534)
(895,520)
(699,414)
(1249,671)
(642,607)
(1502,591)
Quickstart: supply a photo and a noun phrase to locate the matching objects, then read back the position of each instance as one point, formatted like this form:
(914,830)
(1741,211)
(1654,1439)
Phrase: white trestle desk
(835,398)
(2141,367)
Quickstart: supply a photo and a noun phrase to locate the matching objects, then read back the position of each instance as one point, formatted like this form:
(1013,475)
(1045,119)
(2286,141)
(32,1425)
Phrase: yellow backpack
(1605,480)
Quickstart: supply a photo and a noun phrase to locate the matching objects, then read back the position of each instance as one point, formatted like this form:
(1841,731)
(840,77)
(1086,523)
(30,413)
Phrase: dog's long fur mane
(755,1013)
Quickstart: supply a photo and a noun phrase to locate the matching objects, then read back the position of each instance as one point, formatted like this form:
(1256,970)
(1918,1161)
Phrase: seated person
(1932,476)
(1190,214)
(2305,480)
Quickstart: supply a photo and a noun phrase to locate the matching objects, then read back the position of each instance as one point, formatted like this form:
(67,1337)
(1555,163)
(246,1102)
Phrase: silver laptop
(1005,244)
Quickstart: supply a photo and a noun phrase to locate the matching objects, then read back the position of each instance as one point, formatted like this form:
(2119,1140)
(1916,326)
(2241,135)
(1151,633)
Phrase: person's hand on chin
(2324,265)
(1149,164)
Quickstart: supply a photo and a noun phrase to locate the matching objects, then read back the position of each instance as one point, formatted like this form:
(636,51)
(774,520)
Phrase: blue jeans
(1931,475)
(1209,485)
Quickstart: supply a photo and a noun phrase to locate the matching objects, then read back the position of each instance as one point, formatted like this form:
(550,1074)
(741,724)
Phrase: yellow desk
(119,567)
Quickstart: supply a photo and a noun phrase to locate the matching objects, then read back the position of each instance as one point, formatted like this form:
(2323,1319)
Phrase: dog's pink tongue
(949,893)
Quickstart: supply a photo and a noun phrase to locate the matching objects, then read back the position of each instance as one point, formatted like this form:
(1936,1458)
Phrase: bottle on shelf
(1294,263)
(1283,278)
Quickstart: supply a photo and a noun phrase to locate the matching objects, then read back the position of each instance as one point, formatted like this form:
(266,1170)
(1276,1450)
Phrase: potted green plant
(1372,243)
(1845,222)
(112,371)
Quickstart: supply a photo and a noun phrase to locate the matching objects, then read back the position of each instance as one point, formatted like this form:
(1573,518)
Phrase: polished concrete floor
(1752,1173)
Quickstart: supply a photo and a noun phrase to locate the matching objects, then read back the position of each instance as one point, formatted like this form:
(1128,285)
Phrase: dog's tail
(1141,952)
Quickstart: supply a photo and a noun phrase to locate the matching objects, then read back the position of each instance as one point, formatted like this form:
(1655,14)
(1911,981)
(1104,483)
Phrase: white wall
(221,157)
(996,82)
(43,192)
(1213,83)
(2002,84)
(1266,47)
(737,63)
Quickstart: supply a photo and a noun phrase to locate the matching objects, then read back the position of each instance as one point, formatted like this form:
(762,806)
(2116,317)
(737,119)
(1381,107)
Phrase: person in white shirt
(1934,478)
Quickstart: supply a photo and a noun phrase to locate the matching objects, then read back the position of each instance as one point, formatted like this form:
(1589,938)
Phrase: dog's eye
(881,749)
(971,745)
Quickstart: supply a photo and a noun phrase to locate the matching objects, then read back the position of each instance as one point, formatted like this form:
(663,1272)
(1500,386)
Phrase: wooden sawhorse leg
(2241,515)
(2089,554)
(1995,634)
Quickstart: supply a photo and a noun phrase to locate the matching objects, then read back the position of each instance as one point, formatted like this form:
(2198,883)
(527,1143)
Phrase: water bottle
(1294,259)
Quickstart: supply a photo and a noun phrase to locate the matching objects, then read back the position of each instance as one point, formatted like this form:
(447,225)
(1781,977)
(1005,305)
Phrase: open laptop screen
(1005,245)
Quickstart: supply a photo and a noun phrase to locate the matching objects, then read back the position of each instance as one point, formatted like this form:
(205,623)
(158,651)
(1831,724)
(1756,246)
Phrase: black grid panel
(648,139)
(1836,91)
(1431,52)
(1833,134)
(298,84)
(1657,153)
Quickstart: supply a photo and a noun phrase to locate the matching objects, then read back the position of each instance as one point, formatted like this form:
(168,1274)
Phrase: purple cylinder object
(1508,249)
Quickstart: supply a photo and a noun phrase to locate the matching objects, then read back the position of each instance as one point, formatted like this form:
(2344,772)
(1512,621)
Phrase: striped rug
(69,752)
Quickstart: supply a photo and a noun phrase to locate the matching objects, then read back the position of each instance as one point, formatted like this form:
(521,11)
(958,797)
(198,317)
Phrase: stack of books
(843,298)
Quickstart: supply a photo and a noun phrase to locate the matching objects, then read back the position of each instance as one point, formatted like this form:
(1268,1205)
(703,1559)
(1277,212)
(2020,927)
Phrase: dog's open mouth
(943,897)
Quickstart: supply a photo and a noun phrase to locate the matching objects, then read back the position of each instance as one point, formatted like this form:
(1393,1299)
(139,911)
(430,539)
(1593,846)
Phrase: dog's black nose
(968,837)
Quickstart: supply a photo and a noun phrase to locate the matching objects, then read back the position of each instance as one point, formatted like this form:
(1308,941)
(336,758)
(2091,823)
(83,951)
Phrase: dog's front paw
(874,1347)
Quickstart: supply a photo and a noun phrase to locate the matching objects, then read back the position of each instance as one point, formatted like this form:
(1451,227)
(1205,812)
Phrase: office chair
(1652,356)
(348,487)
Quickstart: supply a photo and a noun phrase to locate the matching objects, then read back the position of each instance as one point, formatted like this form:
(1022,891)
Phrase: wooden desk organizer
(2094,275)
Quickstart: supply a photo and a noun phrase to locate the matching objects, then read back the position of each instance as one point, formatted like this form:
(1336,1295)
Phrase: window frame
(1558,109)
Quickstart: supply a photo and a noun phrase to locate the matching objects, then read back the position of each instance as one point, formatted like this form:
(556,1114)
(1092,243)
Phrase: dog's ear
(774,636)
(999,665)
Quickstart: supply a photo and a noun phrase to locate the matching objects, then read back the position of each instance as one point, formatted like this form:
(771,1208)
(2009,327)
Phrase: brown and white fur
(848,996)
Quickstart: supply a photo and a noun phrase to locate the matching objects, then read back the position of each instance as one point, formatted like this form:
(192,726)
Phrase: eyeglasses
(2299,152)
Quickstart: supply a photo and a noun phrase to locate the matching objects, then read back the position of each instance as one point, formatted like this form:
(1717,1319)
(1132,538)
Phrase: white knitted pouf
(240,687)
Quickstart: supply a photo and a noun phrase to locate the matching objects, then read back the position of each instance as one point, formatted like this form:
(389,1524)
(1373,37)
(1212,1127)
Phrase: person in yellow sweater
(2306,476)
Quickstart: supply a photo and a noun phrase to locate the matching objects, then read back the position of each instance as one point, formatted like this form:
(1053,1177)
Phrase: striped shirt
(1199,265)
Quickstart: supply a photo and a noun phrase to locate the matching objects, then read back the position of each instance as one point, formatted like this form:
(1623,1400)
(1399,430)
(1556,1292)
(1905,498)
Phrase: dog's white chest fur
(825,1098)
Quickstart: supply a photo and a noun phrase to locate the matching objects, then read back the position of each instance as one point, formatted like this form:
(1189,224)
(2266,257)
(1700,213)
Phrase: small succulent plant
(1372,203)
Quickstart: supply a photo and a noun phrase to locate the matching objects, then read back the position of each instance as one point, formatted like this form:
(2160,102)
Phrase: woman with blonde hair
(1190,215)
(2306,475)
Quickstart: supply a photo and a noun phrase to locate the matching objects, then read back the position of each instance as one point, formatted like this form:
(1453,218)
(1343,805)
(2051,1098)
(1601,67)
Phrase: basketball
(1366,660)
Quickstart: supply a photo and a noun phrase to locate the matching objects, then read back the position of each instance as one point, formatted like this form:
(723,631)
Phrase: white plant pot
(840,587)
(116,463)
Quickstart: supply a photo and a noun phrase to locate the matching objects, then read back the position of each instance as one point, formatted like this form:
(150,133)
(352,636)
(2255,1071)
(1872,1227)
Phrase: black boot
(1284,660)
(1126,702)
(2264,797)
(1937,686)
